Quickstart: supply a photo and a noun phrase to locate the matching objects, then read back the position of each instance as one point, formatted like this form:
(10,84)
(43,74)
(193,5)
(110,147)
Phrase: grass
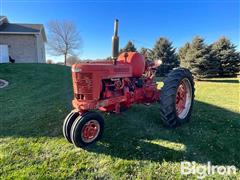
(135,143)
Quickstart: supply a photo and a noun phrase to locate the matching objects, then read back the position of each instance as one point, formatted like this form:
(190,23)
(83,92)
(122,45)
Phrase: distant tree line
(218,59)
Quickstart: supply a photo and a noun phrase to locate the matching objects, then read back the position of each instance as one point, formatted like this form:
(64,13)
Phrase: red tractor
(111,86)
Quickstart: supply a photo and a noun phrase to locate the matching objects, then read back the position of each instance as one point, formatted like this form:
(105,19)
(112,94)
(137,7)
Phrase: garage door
(4,56)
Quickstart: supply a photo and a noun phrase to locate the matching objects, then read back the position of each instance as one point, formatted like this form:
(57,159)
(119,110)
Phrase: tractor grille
(84,86)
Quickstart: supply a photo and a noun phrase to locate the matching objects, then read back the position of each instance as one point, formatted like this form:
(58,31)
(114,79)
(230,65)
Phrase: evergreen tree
(182,55)
(164,51)
(147,53)
(130,47)
(212,65)
(227,56)
(143,51)
(197,58)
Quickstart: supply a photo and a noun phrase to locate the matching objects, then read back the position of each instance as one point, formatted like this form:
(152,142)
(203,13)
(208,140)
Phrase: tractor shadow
(138,134)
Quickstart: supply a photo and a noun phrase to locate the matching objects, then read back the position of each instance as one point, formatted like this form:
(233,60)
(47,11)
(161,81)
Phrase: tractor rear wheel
(177,97)
(87,129)
(67,124)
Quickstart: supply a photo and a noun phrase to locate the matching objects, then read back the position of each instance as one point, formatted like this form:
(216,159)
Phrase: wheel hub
(90,131)
(183,98)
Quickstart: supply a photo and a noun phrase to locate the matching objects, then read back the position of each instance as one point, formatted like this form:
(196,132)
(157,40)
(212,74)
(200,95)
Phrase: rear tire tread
(168,95)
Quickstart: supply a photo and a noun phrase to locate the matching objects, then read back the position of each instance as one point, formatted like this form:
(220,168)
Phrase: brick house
(25,43)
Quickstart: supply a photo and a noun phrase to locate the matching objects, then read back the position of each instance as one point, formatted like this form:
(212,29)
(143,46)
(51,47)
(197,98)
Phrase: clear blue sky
(141,21)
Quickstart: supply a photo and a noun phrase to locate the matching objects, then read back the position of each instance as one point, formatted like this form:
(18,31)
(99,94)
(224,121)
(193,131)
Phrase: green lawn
(135,144)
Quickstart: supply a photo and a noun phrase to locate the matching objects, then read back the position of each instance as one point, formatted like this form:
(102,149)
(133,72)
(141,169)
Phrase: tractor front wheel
(67,124)
(87,129)
(177,97)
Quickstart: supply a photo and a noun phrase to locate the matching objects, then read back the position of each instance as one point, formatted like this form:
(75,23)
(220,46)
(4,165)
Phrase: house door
(4,54)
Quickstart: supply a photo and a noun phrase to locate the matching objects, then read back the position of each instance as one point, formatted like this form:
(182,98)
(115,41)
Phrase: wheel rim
(183,98)
(90,131)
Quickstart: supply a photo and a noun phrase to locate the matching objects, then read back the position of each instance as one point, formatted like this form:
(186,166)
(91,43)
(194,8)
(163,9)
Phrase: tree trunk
(65,59)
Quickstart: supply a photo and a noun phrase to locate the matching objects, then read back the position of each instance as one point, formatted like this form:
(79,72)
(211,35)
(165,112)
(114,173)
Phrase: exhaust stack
(115,42)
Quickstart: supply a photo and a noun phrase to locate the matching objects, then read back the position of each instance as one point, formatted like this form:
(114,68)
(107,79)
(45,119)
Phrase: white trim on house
(26,33)
(42,31)
(33,33)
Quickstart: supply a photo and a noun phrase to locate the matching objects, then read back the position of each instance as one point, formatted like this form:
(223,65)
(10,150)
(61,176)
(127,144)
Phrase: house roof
(3,19)
(18,28)
(12,27)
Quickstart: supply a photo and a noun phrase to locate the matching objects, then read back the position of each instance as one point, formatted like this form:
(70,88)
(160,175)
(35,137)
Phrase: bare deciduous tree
(72,60)
(64,39)
(49,61)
